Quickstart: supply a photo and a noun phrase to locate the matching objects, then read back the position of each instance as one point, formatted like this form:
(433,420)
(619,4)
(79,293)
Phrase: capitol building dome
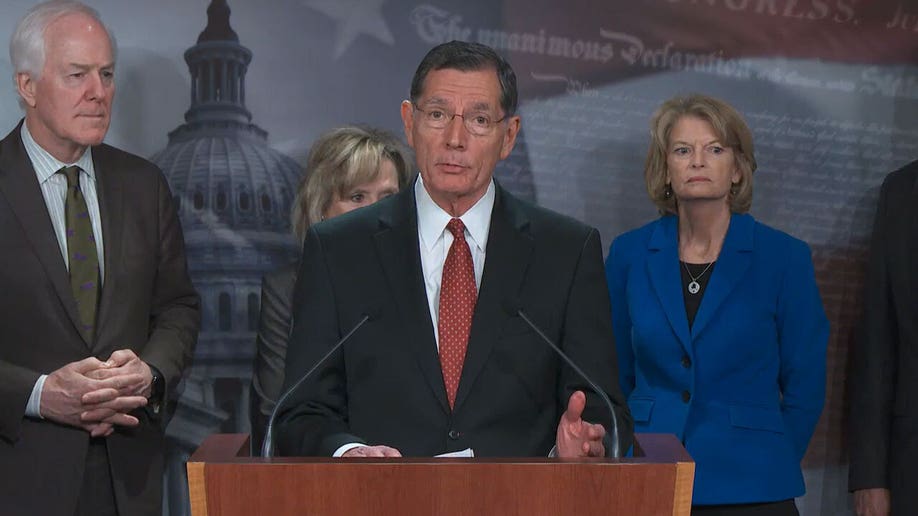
(230,180)
(232,190)
(233,193)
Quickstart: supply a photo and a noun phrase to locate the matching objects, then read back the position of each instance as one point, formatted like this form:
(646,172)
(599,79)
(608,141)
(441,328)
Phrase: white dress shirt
(435,241)
(54,190)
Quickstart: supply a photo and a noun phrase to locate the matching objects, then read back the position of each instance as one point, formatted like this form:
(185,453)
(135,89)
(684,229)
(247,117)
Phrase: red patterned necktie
(458,294)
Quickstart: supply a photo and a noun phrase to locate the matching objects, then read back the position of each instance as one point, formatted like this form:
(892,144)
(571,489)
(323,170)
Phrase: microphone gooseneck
(267,448)
(615,450)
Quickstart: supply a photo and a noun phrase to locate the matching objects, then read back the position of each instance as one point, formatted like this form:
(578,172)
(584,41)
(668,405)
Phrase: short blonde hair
(730,129)
(338,161)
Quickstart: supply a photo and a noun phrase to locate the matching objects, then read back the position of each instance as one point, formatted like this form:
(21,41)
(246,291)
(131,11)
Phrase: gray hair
(27,44)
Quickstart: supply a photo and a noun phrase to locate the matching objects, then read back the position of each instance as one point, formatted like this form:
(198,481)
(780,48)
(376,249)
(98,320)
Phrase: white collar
(45,164)
(432,219)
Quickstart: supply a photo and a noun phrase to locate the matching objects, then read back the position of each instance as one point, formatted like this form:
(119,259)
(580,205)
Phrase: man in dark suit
(445,363)
(98,316)
(883,430)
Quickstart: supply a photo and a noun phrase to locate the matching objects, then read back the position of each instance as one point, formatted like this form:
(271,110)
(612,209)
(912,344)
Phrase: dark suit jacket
(744,386)
(386,387)
(883,438)
(271,347)
(147,304)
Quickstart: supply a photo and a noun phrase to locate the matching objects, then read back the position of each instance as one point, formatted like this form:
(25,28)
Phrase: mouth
(449,166)
(698,179)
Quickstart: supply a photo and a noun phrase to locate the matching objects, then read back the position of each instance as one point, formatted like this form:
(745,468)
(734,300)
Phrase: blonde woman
(720,330)
(348,168)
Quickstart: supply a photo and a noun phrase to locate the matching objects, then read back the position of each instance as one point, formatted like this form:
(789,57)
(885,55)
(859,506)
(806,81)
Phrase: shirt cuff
(553,454)
(33,407)
(345,448)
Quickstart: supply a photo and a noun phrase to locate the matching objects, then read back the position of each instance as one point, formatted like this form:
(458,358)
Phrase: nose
(697,158)
(95,86)
(455,133)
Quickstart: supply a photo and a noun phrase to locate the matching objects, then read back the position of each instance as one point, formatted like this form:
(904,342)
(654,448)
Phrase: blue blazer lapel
(733,262)
(399,252)
(665,277)
(508,252)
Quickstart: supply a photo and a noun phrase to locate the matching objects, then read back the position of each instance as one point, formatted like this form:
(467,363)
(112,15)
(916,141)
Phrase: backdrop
(829,87)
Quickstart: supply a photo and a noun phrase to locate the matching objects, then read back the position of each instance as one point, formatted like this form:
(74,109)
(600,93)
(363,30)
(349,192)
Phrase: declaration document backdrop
(829,87)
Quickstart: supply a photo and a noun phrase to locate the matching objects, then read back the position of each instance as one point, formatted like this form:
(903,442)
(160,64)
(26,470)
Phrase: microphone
(615,448)
(267,448)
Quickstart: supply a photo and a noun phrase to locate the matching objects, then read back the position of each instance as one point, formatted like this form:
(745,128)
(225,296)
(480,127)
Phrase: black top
(693,301)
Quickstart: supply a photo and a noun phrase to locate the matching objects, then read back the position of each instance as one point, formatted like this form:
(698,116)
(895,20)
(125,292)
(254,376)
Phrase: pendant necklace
(693,286)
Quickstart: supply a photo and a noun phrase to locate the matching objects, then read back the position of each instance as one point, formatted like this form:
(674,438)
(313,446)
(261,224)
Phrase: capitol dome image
(233,194)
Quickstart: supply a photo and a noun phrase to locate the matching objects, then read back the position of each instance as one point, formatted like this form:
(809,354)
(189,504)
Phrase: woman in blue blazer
(720,330)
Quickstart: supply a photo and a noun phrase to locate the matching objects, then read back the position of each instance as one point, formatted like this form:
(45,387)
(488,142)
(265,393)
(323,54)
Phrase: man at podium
(440,274)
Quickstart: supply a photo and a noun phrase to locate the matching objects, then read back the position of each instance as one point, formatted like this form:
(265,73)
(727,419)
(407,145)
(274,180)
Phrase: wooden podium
(224,480)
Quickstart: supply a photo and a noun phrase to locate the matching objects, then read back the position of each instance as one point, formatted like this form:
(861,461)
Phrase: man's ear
(407,112)
(508,140)
(26,86)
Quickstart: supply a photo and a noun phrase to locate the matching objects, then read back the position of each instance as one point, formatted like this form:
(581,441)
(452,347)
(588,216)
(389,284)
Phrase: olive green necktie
(81,250)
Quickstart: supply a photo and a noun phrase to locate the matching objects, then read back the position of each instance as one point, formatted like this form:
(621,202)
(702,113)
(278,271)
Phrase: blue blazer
(743,389)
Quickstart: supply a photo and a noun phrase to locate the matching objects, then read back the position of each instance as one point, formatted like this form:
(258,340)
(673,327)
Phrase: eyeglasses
(479,124)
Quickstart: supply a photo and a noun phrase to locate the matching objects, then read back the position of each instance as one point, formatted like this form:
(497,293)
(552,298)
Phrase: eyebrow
(86,67)
(436,101)
(683,142)
(481,106)
(441,102)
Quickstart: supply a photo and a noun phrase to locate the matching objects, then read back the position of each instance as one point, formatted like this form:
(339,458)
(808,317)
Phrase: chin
(92,138)
(451,185)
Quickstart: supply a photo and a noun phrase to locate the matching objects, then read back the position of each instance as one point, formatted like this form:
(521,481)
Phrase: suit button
(686,396)
(686,361)
(454,434)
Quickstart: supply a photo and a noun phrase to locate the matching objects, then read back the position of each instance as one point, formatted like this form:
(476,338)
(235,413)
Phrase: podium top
(223,480)
(234,448)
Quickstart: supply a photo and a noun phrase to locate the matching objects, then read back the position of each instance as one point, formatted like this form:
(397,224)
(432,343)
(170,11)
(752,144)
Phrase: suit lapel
(23,193)
(399,252)
(508,252)
(732,263)
(111,199)
(665,277)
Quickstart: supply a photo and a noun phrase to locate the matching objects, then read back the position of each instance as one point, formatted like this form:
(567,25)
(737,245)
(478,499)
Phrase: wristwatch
(157,389)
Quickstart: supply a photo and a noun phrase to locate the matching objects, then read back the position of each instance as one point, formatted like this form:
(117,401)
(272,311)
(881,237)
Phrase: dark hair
(468,57)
